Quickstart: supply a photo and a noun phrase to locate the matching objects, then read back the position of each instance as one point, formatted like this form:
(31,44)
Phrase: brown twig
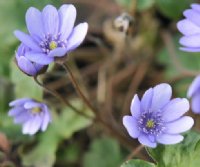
(134,152)
(177,78)
(100,45)
(137,79)
(115,80)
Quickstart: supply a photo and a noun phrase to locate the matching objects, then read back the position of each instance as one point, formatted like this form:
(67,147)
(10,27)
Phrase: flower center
(51,42)
(36,110)
(151,123)
(52,45)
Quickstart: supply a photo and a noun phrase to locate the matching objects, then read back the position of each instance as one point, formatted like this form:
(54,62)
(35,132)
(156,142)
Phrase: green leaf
(63,126)
(184,154)
(69,121)
(144,4)
(173,8)
(138,163)
(103,153)
(141,4)
(69,154)
(25,86)
(42,155)
(72,153)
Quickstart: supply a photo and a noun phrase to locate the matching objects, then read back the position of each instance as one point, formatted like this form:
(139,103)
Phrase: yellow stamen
(150,123)
(52,45)
(36,110)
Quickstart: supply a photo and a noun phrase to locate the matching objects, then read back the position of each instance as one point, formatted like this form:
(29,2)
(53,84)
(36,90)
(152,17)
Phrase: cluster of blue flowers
(156,118)
(51,35)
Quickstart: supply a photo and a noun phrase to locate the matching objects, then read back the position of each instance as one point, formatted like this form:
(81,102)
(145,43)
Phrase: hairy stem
(115,132)
(77,88)
(59,97)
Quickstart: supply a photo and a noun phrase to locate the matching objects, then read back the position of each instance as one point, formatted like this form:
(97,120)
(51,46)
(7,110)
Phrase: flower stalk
(59,97)
(113,131)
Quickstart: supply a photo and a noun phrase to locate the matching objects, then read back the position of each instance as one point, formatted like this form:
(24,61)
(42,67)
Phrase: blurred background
(131,45)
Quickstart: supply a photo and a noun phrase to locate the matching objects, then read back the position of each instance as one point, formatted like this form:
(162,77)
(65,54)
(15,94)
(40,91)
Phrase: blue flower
(24,64)
(157,119)
(33,116)
(194,93)
(51,33)
(190,28)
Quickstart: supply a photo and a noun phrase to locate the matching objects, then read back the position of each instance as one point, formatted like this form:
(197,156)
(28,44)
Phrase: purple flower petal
(190,41)
(50,19)
(21,118)
(21,50)
(46,119)
(77,36)
(58,52)
(169,139)
(190,27)
(187,27)
(181,125)
(32,120)
(26,126)
(152,138)
(27,40)
(190,49)
(175,109)
(161,96)
(196,104)
(135,107)
(15,111)
(145,141)
(52,34)
(25,65)
(147,99)
(32,126)
(39,58)
(18,102)
(193,16)
(38,67)
(194,87)
(34,22)
(131,125)
(196,7)
(67,14)
(194,93)
(158,119)
(31,104)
